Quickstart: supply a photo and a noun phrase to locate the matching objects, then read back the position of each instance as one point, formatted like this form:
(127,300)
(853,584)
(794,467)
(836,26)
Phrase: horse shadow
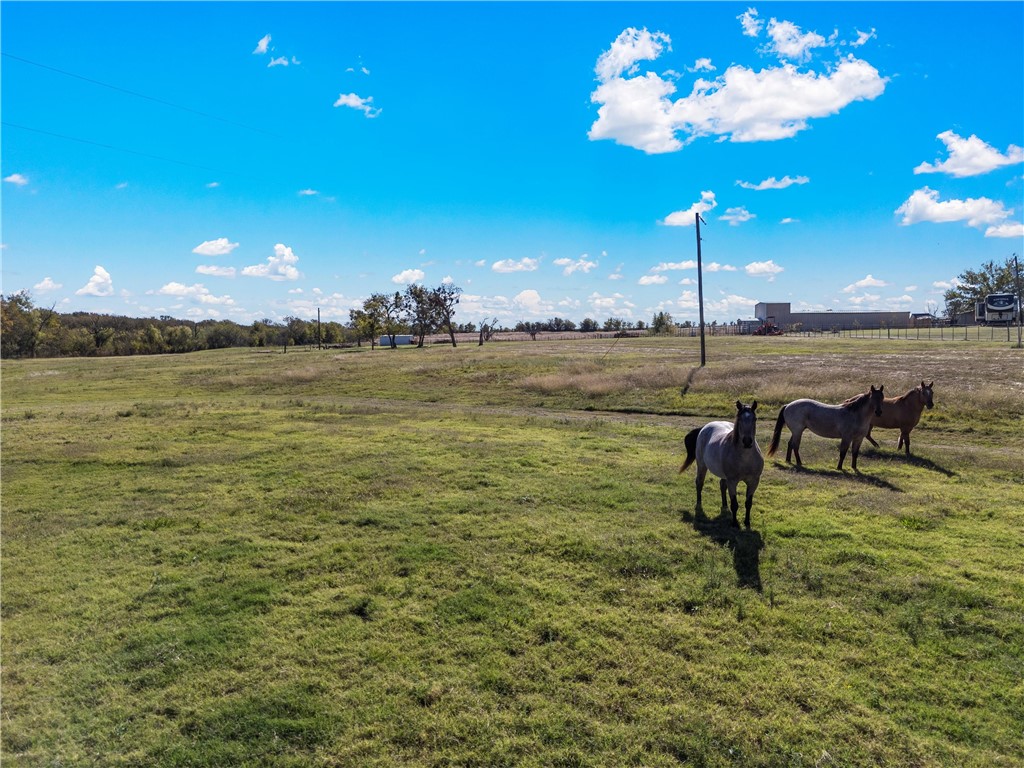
(746,544)
(689,381)
(836,474)
(917,461)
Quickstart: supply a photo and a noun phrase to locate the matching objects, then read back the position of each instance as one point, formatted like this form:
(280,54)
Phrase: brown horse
(903,413)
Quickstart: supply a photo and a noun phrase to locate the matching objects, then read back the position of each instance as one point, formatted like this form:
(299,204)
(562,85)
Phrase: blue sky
(263,160)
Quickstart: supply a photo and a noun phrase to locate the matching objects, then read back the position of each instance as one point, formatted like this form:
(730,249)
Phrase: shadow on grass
(689,381)
(836,474)
(746,544)
(915,461)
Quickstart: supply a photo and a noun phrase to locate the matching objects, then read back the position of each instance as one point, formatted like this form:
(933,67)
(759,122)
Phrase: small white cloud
(354,101)
(280,266)
(970,157)
(737,216)
(16,179)
(910,288)
(408,276)
(279,61)
(667,266)
(582,264)
(768,269)
(1008,229)
(868,282)
(701,65)
(215,271)
(772,183)
(750,23)
(213,185)
(121,185)
(480,263)
(652,280)
(530,301)
(687,281)
(924,206)
(863,37)
(945,285)
(308,193)
(714,266)
(219,247)
(197,292)
(788,42)
(687,218)
(511,265)
(789,220)
(46,285)
(263,45)
(100,284)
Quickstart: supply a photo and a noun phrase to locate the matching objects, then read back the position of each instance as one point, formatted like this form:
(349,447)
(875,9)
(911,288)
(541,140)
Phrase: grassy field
(486,556)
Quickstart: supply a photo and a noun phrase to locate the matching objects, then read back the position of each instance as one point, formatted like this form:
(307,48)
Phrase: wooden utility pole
(319,344)
(700,289)
(1020,300)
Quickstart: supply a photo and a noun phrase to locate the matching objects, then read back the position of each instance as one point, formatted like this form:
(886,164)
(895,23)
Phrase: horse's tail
(778,431)
(691,448)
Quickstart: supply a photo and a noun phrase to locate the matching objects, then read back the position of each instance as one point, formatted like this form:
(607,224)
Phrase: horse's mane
(856,401)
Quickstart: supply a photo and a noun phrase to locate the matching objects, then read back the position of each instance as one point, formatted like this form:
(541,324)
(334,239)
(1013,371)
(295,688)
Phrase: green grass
(486,556)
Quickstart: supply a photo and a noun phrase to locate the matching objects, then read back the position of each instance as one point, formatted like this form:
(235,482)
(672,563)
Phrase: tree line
(28,330)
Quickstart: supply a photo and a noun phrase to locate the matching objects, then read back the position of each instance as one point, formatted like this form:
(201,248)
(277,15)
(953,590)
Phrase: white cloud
(354,101)
(767,269)
(121,185)
(687,281)
(789,42)
(615,305)
(701,65)
(863,37)
(652,280)
(970,157)
(263,45)
(213,185)
(714,266)
(308,193)
(789,220)
(16,179)
(582,264)
(283,61)
(525,264)
(751,24)
(686,218)
(741,105)
(219,247)
(910,288)
(632,46)
(480,263)
(867,298)
(737,216)
(197,292)
(667,266)
(46,285)
(529,301)
(215,271)
(408,276)
(1008,229)
(869,281)
(280,266)
(924,205)
(772,183)
(730,305)
(100,284)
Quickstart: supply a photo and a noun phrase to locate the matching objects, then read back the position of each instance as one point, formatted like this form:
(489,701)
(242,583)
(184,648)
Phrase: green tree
(445,298)
(973,285)
(662,324)
(21,325)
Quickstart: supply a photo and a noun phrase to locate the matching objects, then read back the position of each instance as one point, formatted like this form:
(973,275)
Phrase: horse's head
(746,424)
(926,394)
(877,398)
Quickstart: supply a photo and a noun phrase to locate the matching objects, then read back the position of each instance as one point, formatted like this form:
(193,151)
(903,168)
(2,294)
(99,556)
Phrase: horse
(730,451)
(903,413)
(849,421)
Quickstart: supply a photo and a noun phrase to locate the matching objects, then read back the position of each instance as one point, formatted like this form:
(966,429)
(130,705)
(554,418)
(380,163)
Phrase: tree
(445,298)
(365,323)
(974,285)
(588,324)
(662,324)
(486,329)
(21,324)
(388,310)
(420,312)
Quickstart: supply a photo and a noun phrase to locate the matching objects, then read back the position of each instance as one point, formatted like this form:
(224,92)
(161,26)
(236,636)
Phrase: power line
(110,146)
(140,95)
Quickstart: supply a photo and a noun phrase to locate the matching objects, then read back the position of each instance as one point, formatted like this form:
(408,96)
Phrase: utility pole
(1020,300)
(700,288)
(319,345)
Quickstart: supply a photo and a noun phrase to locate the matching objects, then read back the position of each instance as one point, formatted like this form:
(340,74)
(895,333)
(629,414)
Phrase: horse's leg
(794,447)
(722,486)
(733,503)
(844,446)
(870,439)
(905,437)
(856,452)
(751,487)
(702,471)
